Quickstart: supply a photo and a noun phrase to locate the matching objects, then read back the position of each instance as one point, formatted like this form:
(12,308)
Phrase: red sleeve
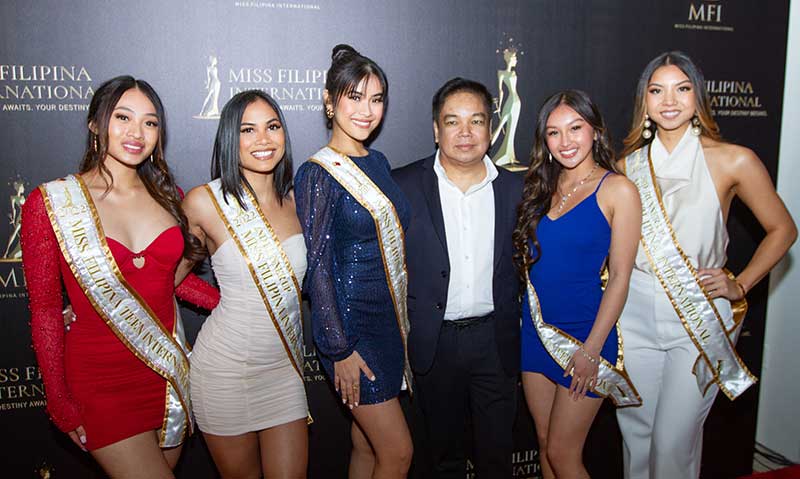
(198,292)
(41,256)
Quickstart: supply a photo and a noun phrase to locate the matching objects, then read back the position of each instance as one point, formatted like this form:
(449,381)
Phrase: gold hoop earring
(696,130)
(95,142)
(646,133)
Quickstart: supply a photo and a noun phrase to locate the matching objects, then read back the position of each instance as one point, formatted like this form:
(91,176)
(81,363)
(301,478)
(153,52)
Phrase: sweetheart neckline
(153,241)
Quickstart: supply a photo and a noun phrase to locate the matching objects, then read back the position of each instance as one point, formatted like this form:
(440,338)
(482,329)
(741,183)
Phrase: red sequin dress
(90,376)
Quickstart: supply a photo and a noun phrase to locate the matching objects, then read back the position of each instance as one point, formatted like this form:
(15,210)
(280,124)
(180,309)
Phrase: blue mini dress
(351,305)
(566,277)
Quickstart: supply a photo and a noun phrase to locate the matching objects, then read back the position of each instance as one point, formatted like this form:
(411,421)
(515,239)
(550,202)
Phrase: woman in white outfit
(679,303)
(246,367)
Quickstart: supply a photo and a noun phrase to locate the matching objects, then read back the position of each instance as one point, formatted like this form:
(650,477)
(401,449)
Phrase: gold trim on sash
(391,237)
(269,267)
(711,334)
(83,244)
(612,381)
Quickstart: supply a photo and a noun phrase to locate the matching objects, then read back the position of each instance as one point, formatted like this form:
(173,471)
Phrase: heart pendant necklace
(138,261)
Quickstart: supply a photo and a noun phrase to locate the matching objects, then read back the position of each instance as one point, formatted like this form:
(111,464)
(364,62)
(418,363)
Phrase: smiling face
(569,137)
(670,98)
(358,112)
(462,129)
(262,142)
(133,129)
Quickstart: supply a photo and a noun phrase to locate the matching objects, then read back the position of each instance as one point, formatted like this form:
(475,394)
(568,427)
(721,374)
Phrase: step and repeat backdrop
(199,53)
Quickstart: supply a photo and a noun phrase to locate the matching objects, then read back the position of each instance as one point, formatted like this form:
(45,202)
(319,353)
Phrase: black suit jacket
(429,265)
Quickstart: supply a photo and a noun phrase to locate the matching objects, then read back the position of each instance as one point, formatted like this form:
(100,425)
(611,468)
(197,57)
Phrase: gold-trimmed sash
(269,266)
(391,237)
(612,380)
(80,236)
(712,334)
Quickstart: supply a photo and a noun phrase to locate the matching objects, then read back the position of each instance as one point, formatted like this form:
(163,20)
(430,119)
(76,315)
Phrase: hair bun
(342,51)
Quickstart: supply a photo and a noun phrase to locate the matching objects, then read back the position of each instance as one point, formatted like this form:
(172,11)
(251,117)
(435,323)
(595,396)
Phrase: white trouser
(663,438)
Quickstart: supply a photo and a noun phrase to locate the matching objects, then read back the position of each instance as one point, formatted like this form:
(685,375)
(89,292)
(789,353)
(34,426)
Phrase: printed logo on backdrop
(312,370)
(524,465)
(12,280)
(705,15)
(735,98)
(21,387)
(45,88)
(295,89)
(44,470)
(275,5)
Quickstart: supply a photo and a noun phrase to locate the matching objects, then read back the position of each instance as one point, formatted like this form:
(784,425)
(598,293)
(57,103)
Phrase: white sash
(83,244)
(712,334)
(612,381)
(387,224)
(268,265)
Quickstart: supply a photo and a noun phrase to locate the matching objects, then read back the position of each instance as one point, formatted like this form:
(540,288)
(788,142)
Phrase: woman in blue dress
(576,216)
(353,216)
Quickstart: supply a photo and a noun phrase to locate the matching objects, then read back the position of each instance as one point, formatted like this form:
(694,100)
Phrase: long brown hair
(541,180)
(154,172)
(708,126)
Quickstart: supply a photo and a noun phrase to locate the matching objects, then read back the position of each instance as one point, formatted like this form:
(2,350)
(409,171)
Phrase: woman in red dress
(104,396)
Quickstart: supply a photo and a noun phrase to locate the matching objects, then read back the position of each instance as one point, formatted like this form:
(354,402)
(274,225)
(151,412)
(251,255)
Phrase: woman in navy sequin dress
(353,316)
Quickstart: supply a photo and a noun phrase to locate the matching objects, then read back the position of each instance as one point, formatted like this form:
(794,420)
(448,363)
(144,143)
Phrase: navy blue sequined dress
(351,306)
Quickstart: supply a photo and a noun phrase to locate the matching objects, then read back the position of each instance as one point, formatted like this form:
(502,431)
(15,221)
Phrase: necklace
(564,197)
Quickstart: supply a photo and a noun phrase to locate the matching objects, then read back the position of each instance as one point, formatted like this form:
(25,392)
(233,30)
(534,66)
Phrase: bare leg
(385,427)
(570,421)
(136,457)
(362,458)
(236,457)
(284,450)
(172,455)
(540,393)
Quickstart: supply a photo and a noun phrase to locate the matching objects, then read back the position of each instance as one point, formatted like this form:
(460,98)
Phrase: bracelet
(741,288)
(588,356)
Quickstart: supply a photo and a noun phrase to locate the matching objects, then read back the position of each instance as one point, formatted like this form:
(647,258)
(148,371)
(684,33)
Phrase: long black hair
(226,162)
(154,172)
(348,69)
(541,181)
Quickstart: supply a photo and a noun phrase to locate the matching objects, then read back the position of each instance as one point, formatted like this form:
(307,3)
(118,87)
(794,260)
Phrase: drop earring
(549,157)
(646,133)
(329,112)
(696,130)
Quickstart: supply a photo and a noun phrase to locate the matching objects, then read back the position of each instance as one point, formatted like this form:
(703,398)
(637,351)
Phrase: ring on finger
(355,387)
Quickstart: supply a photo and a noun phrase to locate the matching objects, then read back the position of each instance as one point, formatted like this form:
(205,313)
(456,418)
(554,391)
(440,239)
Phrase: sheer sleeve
(316,196)
(40,261)
(195,290)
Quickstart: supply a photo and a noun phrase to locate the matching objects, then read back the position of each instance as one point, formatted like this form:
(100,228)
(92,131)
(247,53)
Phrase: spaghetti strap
(601,182)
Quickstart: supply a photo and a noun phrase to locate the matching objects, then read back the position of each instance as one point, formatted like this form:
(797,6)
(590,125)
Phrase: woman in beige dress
(246,385)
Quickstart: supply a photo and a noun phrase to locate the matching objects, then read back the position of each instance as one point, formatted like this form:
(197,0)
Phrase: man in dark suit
(463,289)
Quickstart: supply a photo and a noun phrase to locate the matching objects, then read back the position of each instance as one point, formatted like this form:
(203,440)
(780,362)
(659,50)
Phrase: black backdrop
(54,53)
